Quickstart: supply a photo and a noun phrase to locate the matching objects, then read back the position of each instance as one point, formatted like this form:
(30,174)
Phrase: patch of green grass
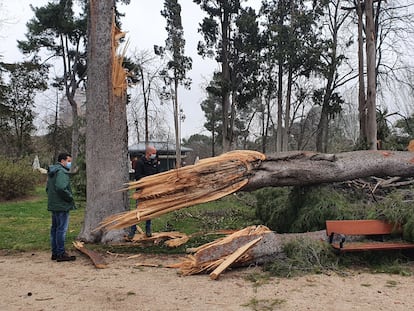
(25,224)
(258,279)
(226,213)
(263,304)
(391,283)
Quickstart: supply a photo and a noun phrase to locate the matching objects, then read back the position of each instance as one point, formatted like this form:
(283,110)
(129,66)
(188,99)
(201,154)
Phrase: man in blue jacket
(60,202)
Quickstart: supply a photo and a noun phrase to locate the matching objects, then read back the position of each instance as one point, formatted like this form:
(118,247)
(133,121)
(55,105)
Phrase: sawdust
(34,282)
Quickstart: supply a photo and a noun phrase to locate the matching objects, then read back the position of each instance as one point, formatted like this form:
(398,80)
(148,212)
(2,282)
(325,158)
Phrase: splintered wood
(96,258)
(170,239)
(208,180)
(222,253)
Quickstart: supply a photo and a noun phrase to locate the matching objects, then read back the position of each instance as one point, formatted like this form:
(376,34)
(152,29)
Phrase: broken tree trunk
(270,247)
(213,178)
(309,168)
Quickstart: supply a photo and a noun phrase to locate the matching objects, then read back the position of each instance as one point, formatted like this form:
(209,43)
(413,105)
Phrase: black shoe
(65,257)
(54,257)
(148,234)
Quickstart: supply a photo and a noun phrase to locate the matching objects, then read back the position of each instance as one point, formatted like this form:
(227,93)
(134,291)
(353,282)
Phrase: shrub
(273,210)
(17,179)
(78,180)
(301,209)
(315,205)
(304,256)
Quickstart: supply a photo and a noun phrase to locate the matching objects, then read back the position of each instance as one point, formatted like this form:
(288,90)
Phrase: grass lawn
(25,224)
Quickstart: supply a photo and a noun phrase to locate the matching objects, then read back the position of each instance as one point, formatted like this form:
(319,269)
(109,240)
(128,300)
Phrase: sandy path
(33,282)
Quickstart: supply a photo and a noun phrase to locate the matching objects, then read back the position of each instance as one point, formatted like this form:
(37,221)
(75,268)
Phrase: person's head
(150,152)
(65,159)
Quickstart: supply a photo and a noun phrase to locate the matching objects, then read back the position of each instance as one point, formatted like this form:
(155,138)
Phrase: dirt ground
(31,281)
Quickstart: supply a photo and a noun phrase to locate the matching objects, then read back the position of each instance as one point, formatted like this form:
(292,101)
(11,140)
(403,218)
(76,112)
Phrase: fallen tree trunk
(245,170)
(268,248)
(310,168)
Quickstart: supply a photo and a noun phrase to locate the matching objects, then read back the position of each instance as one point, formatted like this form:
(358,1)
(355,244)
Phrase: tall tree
(211,107)
(331,59)
(59,30)
(293,46)
(24,80)
(177,66)
(217,30)
(106,127)
(147,69)
(371,76)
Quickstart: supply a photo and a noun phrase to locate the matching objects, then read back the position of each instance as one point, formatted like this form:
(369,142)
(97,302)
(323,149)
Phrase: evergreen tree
(178,65)
(17,110)
(56,28)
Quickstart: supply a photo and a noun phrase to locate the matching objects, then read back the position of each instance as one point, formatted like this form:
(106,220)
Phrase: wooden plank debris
(211,255)
(97,259)
(232,258)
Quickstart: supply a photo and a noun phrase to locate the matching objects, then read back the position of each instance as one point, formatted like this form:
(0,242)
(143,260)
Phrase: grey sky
(145,27)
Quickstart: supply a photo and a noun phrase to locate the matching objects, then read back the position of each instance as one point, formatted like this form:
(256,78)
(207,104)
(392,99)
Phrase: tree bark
(106,130)
(371,77)
(225,69)
(310,168)
(361,79)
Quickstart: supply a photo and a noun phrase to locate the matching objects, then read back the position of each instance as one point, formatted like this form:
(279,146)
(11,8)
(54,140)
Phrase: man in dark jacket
(145,166)
(60,202)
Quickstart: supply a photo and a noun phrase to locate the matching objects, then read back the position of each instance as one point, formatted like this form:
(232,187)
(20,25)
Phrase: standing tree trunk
(177,126)
(279,133)
(371,77)
(106,129)
(225,26)
(286,129)
(362,109)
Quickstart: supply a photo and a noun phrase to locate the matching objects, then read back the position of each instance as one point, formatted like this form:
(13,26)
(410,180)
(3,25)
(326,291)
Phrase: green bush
(78,180)
(273,210)
(315,205)
(17,179)
(301,209)
(304,256)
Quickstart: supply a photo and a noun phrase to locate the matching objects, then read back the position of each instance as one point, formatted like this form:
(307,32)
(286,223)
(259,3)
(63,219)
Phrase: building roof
(161,146)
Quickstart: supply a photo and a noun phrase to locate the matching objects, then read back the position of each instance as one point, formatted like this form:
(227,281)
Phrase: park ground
(31,281)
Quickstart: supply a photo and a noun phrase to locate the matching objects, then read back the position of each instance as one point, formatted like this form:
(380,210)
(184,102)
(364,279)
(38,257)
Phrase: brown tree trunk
(309,168)
(371,77)
(225,26)
(286,129)
(361,79)
(269,248)
(177,127)
(106,130)
(279,134)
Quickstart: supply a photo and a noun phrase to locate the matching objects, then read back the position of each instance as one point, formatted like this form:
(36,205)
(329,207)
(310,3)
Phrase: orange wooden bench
(376,228)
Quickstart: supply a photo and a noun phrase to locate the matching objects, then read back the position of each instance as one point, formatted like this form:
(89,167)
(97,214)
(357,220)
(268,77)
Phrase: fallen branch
(96,258)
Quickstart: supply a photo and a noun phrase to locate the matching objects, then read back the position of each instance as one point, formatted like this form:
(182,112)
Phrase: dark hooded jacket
(59,192)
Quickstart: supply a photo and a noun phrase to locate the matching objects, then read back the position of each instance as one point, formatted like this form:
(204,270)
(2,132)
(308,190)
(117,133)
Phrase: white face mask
(68,165)
(153,156)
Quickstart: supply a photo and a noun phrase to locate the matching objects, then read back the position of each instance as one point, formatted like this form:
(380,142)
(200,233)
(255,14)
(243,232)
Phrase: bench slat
(356,247)
(360,227)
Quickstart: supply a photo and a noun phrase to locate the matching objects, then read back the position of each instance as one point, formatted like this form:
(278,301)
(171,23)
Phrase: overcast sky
(145,27)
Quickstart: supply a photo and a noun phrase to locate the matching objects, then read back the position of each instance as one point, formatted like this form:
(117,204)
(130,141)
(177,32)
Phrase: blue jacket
(59,192)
